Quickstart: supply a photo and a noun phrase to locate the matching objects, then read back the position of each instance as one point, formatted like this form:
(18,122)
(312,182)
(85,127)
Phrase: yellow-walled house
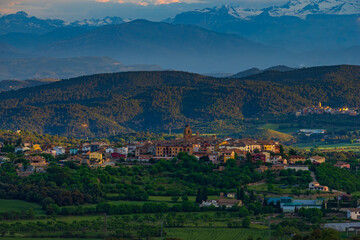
(95,156)
(36,147)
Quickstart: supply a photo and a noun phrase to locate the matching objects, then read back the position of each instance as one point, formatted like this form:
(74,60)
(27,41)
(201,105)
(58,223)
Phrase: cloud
(155,10)
(146,2)
(6,6)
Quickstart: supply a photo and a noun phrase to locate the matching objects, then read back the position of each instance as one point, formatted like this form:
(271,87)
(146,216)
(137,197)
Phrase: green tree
(174,199)
(246,222)
(199,196)
(204,195)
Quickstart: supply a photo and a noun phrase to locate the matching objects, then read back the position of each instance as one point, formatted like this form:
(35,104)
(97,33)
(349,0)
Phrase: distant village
(326,110)
(208,148)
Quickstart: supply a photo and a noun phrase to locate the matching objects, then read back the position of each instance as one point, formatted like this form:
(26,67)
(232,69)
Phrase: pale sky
(128,9)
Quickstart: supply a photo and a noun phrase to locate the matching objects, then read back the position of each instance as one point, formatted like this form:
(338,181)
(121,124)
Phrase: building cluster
(326,110)
(210,148)
(289,204)
(227,200)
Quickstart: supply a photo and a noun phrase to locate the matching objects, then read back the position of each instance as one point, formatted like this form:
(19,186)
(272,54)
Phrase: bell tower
(187,133)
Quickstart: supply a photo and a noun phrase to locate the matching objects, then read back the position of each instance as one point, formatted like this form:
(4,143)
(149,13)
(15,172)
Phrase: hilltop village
(319,109)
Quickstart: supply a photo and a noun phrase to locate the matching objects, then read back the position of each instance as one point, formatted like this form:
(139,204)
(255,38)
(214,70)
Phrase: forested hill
(308,75)
(104,104)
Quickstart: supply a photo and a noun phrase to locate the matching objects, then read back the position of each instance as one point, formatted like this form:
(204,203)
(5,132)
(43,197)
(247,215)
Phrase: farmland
(8,205)
(215,233)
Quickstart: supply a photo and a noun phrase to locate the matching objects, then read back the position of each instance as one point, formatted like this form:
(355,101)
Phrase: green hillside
(109,104)
(268,134)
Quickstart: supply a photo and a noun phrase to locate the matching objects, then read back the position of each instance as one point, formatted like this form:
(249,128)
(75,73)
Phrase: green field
(276,189)
(333,147)
(24,238)
(168,198)
(8,205)
(215,233)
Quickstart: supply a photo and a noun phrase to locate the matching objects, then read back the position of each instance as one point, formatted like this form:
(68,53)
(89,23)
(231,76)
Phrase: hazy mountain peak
(297,8)
(22,22)
(98,22)
(22,13)
(302,8)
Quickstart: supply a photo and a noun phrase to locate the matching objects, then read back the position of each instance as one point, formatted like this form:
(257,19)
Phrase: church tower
(187,133)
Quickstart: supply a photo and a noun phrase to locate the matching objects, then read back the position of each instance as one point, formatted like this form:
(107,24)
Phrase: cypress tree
(204,195)
(198,196)
(242,194)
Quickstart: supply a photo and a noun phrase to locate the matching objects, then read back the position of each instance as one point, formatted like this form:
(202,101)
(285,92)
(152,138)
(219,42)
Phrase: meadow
(8,205)
(345,146)
(215,233)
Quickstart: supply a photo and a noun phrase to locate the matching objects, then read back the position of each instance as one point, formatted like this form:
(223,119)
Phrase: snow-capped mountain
(297,8)
(237,12)
(299,25)
(302,8)
(97,22)
(23,23)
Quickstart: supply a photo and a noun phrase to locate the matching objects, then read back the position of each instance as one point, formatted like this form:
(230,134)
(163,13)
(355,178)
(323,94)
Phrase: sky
(71,10)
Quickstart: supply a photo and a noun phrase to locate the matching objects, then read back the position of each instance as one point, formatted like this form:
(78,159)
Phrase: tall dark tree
(198,196)
(242,194)
(204,194)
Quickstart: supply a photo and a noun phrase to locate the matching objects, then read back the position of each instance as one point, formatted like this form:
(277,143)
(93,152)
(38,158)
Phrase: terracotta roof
(227,201)
(354,209)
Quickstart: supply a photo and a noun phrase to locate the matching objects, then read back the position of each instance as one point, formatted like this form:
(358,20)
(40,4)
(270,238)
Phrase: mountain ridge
(157,101)
(22,22)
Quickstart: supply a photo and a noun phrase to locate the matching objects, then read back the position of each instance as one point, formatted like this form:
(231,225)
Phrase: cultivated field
(215,233)
(8,205)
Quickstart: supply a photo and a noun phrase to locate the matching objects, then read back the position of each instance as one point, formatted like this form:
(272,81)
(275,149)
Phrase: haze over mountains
(62,68)
(220,40)
(98,105)
(21,22)
(299,25)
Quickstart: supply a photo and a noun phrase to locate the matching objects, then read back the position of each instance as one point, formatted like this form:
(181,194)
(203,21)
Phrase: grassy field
(215,233)
(8,205)
(356,194)
(276,189)
(332,147)
(168,198)
(20,238)
(276,127)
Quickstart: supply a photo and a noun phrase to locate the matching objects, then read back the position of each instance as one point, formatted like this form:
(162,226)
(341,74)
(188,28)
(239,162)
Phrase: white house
(317,186)
(275,159)
(110,150)
(123,151)
(214,158)
(353,213)
(21,149)
(86,147)
(59,150)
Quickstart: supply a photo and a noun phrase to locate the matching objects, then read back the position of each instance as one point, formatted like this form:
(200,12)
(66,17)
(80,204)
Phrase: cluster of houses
(227,200)
(325,109)
(211,148)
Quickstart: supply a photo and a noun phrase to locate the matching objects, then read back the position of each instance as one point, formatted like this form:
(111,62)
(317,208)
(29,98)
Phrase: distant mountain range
(171,46)
(299,25)
(21,22)
(224,39)
(62,68)
(295,8)
(253,71)
(8,85)
(104,104)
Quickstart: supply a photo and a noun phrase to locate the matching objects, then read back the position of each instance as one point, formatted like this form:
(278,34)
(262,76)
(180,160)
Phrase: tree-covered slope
(104,104)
